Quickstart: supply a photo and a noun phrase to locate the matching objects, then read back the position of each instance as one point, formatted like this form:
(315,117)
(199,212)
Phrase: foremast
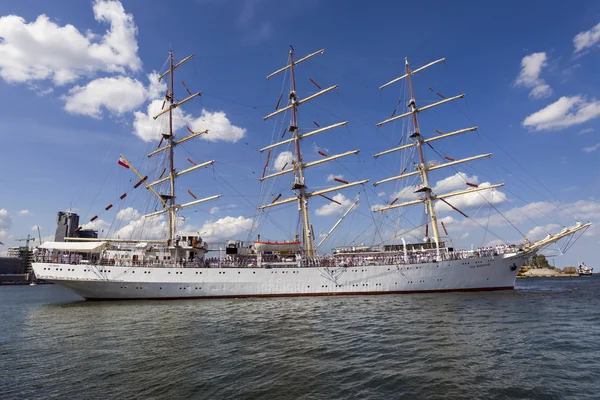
(168,201)
(298,166)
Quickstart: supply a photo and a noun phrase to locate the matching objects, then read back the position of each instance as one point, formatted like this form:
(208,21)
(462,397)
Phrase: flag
(122,163)
(1,243)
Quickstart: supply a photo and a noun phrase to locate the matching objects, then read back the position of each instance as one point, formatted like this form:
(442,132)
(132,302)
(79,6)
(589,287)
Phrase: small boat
(584,270)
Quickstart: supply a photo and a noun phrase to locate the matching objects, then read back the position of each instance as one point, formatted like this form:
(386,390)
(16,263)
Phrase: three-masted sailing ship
(176,267)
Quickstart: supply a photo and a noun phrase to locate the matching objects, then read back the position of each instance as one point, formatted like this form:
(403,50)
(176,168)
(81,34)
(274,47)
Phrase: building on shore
(67,223)
(15,267)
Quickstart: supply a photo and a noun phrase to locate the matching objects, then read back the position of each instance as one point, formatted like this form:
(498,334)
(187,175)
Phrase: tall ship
(177,265)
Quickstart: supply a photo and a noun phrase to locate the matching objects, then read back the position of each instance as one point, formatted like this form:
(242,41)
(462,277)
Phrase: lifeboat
(261,246)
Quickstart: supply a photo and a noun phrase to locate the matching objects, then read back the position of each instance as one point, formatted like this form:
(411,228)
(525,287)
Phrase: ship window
(239,272)
(253,272)
(169,272)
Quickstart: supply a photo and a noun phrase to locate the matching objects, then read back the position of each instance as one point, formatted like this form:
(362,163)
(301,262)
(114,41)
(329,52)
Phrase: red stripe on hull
(242,296)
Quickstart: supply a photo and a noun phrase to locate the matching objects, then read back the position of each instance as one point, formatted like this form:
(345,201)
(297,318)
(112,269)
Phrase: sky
(79,84)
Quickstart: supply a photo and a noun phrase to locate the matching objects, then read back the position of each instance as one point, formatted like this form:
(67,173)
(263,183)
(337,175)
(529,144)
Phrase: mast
(168,200)
(299,185)
(170,98)
(423,166)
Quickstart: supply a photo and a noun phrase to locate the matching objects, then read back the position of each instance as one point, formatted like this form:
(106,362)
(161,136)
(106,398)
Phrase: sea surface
(540,341)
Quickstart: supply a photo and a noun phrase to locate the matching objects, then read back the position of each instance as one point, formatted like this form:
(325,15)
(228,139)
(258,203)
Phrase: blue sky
(75,83)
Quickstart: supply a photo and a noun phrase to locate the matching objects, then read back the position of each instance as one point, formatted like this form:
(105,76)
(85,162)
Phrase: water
(538,341)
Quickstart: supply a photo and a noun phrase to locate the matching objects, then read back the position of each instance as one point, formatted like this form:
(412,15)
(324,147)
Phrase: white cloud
(127,214)
(214,210)
(156,89)
(541,231)
(377,207)
(156,227)
(224,228)
(283,159)
(34,228)
(464,235)
(447,220)
(586,39)
(540,91)
(219,126)
(450,184)
(531,67)
(334,208)
(563,113)
(590,149)
(586,130)
(467,200)
(3,234)
(5,220)
(99,225)
(117,94)
(24,212)
(43,50)
(332,177)
(473,200)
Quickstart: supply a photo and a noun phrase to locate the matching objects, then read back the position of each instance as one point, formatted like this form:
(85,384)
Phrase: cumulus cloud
(334,208)
(42,49)
(541,231)
(586,130)
(224,228)
(127,214)
(99,225)
(450,184)
(283,159)
(116,94)
(587,39)
(156,227)
(35,228)
(5,220)
(467,200)
(218,125)
(24,212)
(529,77)
(563,113)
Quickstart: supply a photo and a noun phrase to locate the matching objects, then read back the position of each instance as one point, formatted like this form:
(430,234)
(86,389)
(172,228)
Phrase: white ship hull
(119,283)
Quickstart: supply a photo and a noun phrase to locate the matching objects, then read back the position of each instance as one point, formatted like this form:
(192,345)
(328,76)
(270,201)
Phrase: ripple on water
(539,341)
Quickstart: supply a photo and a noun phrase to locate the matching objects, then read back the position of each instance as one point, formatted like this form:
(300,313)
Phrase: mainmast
(423,167)
(299,185)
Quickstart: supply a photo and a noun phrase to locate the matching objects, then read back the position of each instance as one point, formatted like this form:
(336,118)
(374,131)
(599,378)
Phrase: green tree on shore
(538,261)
